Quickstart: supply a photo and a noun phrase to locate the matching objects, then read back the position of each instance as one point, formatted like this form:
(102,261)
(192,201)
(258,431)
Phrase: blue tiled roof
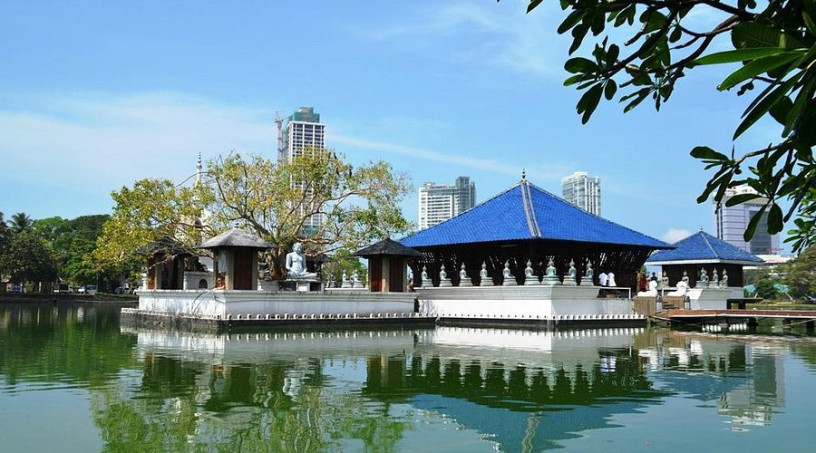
(526,211)
(702,246)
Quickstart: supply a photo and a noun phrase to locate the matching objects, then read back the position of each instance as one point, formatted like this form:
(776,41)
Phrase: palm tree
(20,222)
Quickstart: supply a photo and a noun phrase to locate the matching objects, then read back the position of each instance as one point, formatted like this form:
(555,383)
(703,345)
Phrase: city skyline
(440,202)
(303,131)
(730,223)
(583,191)
(97,96)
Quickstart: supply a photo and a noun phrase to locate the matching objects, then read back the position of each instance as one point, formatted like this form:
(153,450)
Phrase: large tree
(801,274)
(772,44)
(154,214)
(28,259)
(280,202)
(71,242)
(273,200)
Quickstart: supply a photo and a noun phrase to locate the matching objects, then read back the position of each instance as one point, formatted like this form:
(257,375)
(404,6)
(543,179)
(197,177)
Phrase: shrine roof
(702,247)
(527,212)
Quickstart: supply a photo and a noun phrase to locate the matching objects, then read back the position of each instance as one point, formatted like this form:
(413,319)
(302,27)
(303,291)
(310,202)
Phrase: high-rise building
(303,131)
(583,191)
(438,203)
(732,221)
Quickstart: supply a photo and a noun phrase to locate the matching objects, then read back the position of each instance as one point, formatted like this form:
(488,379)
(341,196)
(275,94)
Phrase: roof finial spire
(198,169)
(523,174)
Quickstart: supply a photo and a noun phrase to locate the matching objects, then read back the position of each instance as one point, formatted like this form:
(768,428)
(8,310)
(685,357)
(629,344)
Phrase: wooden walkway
(676,317)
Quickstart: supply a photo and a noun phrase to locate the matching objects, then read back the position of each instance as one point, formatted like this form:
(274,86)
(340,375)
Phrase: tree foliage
(72,242)
(801,274)
(28,259)
(153,212)
(24,255)
(278,200)
(272,200)
(772,45)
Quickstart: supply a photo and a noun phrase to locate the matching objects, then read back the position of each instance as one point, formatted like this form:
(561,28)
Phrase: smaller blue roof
(702,247)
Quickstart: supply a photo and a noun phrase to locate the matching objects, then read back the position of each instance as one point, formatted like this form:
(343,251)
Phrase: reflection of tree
(244,407)
(58,343)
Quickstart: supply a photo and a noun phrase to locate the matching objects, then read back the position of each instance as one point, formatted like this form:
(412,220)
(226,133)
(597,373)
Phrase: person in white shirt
(602,277)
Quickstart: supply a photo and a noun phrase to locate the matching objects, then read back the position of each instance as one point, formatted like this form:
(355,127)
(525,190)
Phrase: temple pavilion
(525,223)
(703,251)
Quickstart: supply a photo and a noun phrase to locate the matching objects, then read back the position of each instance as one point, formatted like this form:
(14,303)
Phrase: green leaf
(610,89)
(578,35)
(757,67)
(741,198)
(753,223)
(704,152)
(763,106)
(811,26)
(638,96)
(754,34)
(573,19)
(734,56)
(775,222)
(572,80)
(580,64)
(612,54)
(793,116)
(780,110)
(589,102)
(533,4)
(652,20)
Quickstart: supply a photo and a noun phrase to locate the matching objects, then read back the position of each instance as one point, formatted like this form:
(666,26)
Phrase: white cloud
(500,35)
(675,234)
(106,141)
(90,144)
(551,171)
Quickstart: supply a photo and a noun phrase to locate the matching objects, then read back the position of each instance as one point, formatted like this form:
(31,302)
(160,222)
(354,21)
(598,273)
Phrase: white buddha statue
(426,282)
(589,275)
(530,278)
(296,265)
(509,278)
(443,277)
(464,280)
(569,279)
(485,279)
(551,278)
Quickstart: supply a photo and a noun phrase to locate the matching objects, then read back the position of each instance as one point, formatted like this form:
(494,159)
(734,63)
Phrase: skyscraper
(731,222)
(583,191)
(303,131)
(438,203)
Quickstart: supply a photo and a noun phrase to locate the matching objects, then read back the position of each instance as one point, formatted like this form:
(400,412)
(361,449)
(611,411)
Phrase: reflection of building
(438,203)
(748,381)
(304,132)
(583,191)
(732,221)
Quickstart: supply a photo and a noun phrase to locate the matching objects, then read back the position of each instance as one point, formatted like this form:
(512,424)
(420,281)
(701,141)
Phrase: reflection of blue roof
(528,212)
(703,247)
(512,429)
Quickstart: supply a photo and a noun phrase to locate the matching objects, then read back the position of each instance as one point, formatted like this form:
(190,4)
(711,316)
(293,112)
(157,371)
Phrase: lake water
(72,379)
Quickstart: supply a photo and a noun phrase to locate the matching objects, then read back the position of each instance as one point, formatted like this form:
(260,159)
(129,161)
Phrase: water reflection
(442,389)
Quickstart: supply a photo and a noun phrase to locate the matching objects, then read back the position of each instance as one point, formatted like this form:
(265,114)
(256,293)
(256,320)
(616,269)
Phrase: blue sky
(95,95)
